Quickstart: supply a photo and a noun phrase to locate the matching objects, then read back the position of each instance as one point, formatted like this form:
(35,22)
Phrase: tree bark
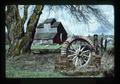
(21,41)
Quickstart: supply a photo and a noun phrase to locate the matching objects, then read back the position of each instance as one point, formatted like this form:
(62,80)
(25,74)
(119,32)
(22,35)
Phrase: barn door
(61,37)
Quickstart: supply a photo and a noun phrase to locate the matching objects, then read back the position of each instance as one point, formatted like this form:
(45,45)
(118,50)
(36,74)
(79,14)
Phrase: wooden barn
(50,32)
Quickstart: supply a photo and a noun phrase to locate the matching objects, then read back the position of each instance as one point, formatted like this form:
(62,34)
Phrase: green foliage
(45,46)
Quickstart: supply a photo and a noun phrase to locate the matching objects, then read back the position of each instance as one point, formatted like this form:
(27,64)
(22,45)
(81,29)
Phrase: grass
(38,65)
(54,46)
(31,67)
(14,73)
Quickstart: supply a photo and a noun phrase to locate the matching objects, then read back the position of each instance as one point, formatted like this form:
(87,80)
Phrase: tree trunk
(21,41)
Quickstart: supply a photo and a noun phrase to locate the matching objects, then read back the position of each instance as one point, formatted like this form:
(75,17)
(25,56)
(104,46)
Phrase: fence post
(101,42)
(95,40)
(105,47)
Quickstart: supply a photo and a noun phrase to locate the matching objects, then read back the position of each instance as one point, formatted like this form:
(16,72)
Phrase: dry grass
(108,63)
(42,65)
(31,66)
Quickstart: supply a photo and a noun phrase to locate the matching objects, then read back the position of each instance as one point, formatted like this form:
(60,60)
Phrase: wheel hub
(78,53)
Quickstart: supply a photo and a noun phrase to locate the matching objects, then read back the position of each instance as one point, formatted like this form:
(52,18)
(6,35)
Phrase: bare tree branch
(85,13)
(21,42)
(25,13)
(13,22)
(101,18)
(50,9)
(35,16)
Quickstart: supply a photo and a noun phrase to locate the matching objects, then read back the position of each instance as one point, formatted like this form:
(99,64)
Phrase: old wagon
(78,49)
(82,51)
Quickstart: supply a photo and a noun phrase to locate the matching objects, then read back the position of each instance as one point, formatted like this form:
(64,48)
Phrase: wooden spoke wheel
(79,51)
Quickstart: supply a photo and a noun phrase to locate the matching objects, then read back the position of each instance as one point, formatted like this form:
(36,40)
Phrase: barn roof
(54,25)
(41,25)
(51,21)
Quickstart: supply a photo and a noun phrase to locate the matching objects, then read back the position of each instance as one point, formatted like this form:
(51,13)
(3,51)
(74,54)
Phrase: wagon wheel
(79,52)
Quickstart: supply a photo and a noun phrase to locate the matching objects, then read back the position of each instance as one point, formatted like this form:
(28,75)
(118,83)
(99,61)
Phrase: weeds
(42,66)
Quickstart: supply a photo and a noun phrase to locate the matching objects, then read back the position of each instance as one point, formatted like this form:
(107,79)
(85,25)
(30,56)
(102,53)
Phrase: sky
(71,25)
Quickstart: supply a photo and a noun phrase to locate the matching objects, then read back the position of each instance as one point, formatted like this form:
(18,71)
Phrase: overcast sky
(70,24)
